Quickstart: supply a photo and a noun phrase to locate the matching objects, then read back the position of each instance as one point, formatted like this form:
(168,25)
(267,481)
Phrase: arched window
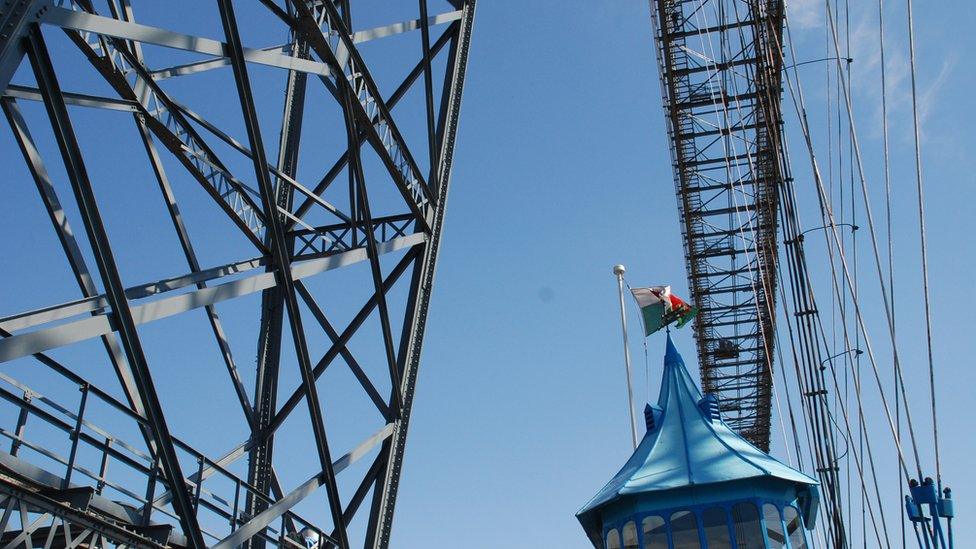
(716,525)
(655,533)
(794,528)
(630,536)
(745,523)
(613,539)
(774,526)
(684,530)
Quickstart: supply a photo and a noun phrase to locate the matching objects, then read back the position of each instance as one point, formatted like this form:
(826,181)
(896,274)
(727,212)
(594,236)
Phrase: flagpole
(619,270)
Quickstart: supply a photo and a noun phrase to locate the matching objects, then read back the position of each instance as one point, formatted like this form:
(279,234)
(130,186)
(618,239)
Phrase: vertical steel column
(385,492)
(281,261)
(21,425)
(429,96)
(260,460)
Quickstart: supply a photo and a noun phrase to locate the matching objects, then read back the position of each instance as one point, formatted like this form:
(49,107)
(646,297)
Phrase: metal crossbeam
(161,490)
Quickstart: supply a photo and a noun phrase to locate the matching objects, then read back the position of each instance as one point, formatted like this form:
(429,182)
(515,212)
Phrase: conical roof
(686,448)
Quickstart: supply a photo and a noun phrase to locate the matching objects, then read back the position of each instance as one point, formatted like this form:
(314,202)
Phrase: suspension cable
(797,277)
(871,228)
(891,255)
(858,457)
(921,229)
(799,105)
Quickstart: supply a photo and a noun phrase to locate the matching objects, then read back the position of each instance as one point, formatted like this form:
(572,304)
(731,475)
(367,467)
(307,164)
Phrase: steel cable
(799,105)
(921,229)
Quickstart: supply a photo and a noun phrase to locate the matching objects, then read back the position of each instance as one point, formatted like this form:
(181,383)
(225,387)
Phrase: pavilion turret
(692,482)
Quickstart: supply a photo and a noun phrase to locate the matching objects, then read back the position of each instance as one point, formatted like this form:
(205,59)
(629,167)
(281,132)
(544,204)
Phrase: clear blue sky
(561,170)
(521,416)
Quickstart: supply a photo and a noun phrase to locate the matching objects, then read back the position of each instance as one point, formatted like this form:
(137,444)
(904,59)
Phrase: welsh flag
(660,307)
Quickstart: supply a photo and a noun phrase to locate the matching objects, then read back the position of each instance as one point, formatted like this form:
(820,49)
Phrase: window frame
(801,530)
(756,504)
(667,530)
(727,509)
(697,510)
(782,524)
(623,534)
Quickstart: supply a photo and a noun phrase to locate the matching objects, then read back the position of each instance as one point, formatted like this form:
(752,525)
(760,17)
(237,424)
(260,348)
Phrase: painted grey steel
(85,328)
(98,236)
(172,493)
(304,490)
(16,17)
(384,496)
(33,94)
(76,527)
(107,26)
(357,37)
(66,237)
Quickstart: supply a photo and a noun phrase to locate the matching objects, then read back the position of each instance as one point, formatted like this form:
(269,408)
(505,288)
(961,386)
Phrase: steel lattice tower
(720,68)
(345,177)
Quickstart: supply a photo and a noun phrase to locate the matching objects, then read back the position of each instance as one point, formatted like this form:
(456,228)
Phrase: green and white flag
(660,308)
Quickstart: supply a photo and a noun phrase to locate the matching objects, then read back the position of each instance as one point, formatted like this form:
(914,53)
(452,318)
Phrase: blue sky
(522,414)
(561,170)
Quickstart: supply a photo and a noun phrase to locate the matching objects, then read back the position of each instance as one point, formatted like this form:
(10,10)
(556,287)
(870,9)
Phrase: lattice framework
(381,205)
(721,80)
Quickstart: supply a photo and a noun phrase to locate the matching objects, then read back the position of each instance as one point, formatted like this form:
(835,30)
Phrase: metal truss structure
(373,107)
(721,77)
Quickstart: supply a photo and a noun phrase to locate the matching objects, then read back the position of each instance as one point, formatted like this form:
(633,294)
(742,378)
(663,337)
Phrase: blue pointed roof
(686,448)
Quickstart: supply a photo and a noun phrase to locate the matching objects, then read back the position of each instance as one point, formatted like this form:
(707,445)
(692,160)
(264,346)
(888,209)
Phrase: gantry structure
(283,162)
(720,68)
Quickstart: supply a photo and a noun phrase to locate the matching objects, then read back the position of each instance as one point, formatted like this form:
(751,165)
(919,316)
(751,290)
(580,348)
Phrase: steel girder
(291,234)
(720,71)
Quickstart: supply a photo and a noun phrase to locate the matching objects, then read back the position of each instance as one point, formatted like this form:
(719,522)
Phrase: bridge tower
(720,67)
(209,200)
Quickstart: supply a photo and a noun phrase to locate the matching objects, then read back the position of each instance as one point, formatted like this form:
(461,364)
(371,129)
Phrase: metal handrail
(112,448)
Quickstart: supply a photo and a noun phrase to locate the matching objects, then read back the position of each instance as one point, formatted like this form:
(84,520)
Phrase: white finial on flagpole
(619,271)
